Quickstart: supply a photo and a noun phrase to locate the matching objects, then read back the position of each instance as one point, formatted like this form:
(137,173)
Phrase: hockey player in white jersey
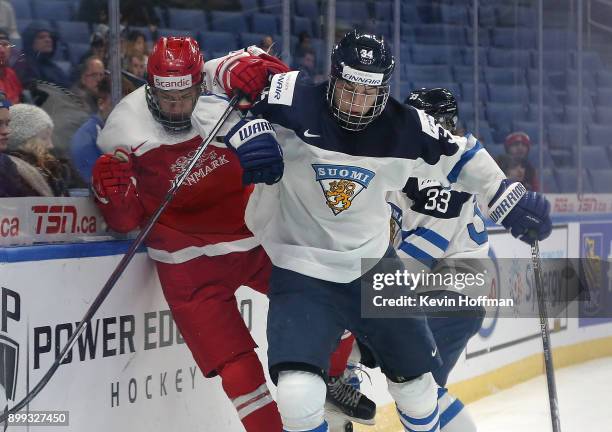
(342,146)
(431,224)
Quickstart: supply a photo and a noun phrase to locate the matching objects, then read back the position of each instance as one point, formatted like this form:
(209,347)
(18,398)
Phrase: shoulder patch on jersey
(282,88)
(341,184)
(429,125)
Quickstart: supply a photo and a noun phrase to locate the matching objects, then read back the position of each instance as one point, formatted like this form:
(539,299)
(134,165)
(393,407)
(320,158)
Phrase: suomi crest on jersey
(341,184)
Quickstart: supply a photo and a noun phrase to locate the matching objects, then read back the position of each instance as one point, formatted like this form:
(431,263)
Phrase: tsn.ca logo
(58,219)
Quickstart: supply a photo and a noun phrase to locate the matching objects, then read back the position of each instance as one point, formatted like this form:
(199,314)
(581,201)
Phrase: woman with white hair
(30,140)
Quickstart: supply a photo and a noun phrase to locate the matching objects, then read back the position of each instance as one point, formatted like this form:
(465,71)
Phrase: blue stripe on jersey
(450,412)
(418,254)
(465,158)
(432,237)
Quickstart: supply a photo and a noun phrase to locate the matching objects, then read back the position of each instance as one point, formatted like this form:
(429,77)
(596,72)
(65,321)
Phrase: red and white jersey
(206,217)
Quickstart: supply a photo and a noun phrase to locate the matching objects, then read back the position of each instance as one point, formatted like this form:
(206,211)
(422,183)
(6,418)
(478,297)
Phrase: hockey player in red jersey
(202,249)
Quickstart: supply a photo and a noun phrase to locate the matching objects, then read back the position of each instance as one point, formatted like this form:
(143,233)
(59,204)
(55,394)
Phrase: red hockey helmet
(174,81)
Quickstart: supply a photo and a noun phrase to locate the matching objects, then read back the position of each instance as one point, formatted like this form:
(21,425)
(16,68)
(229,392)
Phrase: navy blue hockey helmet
(440,103)
(358,87)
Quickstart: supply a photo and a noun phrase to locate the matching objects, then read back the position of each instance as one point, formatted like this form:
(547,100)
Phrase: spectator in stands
(306,64)
(17,177)
(91,72)
(39,45)
(93,11)
(30,141)
(515,169)
(7,19)
(139,13)
(136,66)
(136,45)
(98,47)
(9,82)
(303,46)
(267,44)
(83,148)
(517,145)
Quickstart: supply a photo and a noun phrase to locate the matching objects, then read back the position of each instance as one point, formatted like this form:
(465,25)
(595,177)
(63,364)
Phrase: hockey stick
(112,280)
(548,360)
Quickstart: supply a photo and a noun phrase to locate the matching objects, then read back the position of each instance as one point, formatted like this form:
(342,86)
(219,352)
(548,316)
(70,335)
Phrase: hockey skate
(344,400)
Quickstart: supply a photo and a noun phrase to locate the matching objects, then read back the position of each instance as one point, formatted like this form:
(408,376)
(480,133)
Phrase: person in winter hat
(30,140)
(17,177)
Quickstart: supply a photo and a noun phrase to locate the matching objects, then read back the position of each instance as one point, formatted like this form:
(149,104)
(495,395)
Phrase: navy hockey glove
(526,214)
(261,158)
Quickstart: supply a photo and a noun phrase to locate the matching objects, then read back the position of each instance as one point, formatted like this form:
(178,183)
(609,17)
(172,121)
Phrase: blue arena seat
(437,73)
(508,93)
(271,6)
(465,74)
(568,180)
(550,115)
(467,91)
(495,150)
(595,157)
(302,24)
(218,41)
(73,31)
(440,34)
(228,21)
(604,79)
(509,16)
(249,6)
(435,54)
(562,135)
(76,51)
(600,135)
(187,19)
(513,38)
(383,10)
(499,57)
(409,13)
(22,9)
(455,14)
(502,115)
(505,76)
(601,179)
(351,11)
(265,23)
(603,115)
(248,39)
(56,10)
(530,128)
(549,181)
(307,8)
(603,97)
(570,114)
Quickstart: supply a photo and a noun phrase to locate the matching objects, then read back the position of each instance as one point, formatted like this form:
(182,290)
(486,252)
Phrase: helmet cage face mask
(353,105)
(174,123)
(447,120)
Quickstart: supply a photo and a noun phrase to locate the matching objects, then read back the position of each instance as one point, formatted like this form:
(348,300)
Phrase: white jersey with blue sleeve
(431,223)
(330,209)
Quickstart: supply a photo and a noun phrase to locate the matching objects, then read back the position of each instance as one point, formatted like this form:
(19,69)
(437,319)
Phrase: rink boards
(131,371)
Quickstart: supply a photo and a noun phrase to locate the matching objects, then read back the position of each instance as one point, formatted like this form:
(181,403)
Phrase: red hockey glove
(114,186)
(248,75)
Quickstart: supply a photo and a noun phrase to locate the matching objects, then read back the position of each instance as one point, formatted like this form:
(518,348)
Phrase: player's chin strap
(112,280)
